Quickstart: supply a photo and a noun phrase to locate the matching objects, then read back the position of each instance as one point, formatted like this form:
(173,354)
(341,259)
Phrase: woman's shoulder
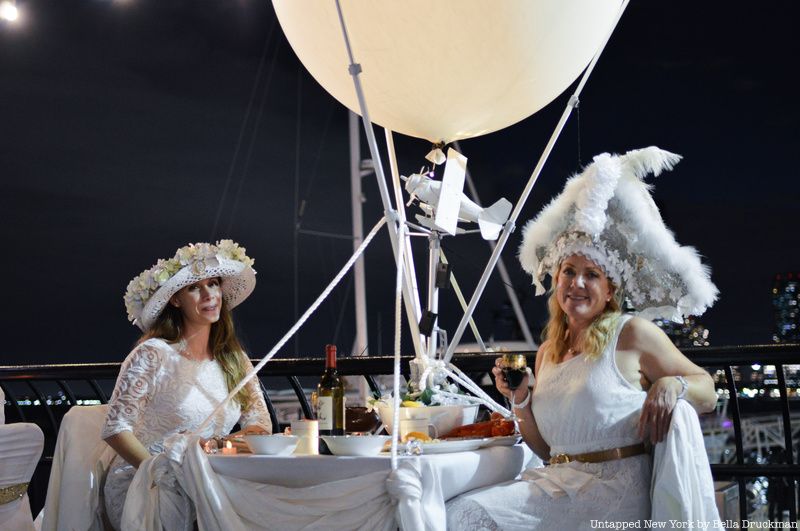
(153,349)
(541,352)
(157,344)
(640,334)
(543,346)
(638,326)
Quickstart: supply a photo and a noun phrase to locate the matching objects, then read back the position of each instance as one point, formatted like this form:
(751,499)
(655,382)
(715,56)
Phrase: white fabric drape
(682,487)
(20,448)
(155,502)
(232,504)
(80,462)
(412,497)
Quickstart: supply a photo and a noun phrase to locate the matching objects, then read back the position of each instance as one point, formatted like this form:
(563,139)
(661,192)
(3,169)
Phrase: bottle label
(325,412)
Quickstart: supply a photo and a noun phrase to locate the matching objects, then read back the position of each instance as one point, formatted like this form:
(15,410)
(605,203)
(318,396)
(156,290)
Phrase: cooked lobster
(495,427)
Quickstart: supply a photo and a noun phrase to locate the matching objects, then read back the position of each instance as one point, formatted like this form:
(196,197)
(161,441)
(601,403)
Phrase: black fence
(53,389)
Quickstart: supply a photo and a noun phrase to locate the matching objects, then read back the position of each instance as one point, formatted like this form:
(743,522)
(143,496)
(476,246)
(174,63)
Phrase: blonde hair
(596,336)
(224,345)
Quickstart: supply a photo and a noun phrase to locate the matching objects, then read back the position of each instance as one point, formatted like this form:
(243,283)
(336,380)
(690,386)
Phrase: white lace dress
(160,393)
(580,406)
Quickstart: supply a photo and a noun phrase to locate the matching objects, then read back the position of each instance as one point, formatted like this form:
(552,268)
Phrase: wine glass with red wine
(514,368)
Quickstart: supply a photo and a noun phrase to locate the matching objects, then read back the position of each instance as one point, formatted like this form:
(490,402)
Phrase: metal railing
(67,376)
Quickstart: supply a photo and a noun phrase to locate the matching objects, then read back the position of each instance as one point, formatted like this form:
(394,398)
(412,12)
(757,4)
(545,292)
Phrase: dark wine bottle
(330,397)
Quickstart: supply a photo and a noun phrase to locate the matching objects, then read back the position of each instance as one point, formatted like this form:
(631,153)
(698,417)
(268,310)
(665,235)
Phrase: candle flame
(228,444)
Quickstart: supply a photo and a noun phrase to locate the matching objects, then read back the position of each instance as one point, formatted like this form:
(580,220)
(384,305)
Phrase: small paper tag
(436,156)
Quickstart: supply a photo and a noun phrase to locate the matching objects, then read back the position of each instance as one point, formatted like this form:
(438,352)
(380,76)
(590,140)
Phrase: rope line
(253,137)
(311,309)
(534,177)
(296,205)
(469,263)
(242,129)
(463,303)
(398,323)
(314,168)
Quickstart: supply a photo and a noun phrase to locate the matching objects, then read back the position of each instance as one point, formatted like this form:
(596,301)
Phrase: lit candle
(228,449)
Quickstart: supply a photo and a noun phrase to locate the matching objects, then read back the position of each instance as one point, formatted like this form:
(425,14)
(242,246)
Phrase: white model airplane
(445,204)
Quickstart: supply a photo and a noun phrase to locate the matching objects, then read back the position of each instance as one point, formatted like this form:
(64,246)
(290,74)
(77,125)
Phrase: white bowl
(445,418)
(277,444)
(363,445)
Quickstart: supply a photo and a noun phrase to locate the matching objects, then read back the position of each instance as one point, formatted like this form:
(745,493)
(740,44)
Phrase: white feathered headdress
(607,215)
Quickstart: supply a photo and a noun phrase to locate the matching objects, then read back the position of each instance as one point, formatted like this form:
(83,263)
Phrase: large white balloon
(448,69)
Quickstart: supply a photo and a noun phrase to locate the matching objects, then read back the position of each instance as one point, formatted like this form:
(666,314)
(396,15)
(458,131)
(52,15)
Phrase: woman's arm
(128,447)
(660,362)
(132,392)
(527,422)
(255,418)
(530,433)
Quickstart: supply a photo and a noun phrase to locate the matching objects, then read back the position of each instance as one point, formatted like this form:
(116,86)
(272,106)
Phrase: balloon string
(391,214)
(578,129)
(398,324)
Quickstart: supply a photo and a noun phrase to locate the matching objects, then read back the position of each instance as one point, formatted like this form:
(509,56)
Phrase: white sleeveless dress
(580,405)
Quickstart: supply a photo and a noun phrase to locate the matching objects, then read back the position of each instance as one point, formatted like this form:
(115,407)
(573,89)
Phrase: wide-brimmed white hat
(608,215)
(149,292)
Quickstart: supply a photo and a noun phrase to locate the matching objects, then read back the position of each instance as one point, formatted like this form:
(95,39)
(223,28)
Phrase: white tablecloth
(459,472)
(420,488)
(244,493)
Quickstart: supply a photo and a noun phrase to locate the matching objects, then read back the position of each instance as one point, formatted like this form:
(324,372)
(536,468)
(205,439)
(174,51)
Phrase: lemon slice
(411,403)
(418,435)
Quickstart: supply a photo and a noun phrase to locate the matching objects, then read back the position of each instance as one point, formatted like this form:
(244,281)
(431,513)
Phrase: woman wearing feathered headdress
(181,369)
(607,382)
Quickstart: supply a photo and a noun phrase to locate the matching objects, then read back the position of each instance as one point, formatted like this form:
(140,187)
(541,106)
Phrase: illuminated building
(785,302)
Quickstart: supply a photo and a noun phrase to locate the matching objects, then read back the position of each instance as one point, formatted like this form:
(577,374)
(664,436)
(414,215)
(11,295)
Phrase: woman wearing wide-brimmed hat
(606,381)
(183,366)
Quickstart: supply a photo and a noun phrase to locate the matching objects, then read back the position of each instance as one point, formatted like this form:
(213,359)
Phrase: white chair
(21,446)
(80,463)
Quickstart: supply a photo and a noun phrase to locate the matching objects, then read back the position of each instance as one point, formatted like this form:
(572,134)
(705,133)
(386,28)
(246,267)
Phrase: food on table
(423,438)
(412,403)
(497,426)
(418,435)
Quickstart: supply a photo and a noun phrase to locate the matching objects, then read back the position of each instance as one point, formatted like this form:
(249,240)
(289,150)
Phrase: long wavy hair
(225,346)
(596,336)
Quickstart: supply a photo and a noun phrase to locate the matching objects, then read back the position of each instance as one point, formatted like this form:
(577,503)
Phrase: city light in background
(9,11)
(11,14)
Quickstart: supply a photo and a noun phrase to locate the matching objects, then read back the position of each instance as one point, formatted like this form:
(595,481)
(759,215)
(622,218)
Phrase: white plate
(446,447)
(507,440)
(361,445)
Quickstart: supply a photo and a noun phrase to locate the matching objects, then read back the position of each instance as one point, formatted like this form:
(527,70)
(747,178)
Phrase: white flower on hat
(149,292)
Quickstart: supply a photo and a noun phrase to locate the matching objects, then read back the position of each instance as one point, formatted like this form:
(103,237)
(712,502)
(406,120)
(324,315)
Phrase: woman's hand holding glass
(508,370)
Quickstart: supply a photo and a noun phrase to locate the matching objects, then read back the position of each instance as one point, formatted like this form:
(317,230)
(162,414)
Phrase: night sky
(122,121)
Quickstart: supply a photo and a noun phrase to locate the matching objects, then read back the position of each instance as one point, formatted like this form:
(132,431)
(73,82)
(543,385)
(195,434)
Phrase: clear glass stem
(514,417)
